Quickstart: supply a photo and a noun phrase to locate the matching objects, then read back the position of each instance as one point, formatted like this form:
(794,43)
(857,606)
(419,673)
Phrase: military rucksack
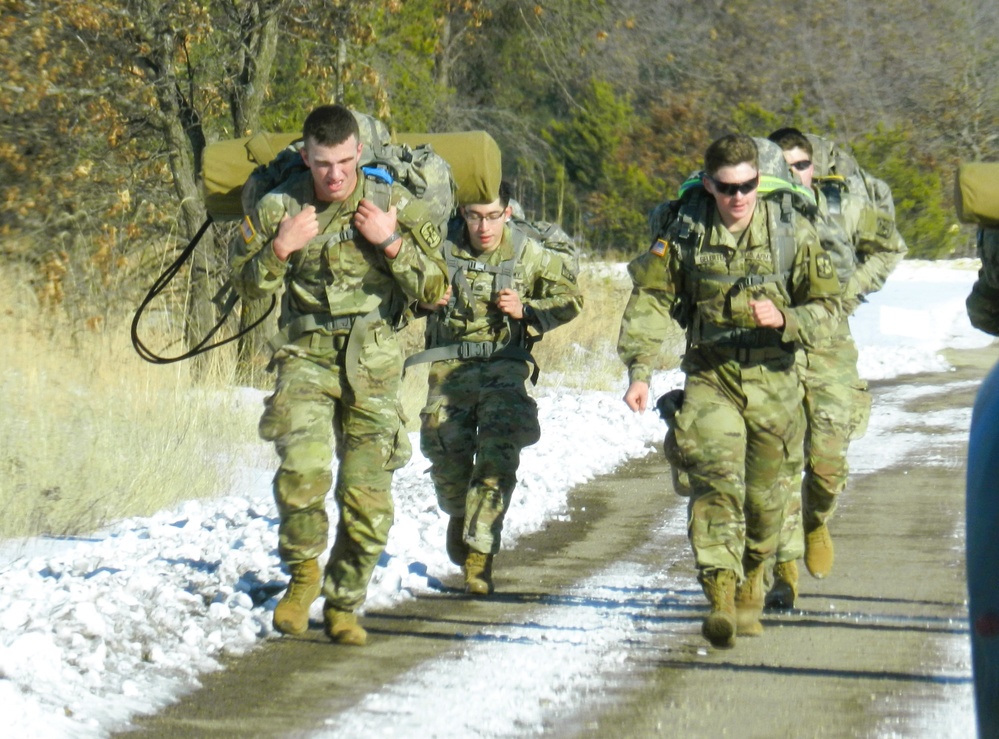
(837,172)
(551,236)
(237,173)
(554,238)
(684,220)
(836,168)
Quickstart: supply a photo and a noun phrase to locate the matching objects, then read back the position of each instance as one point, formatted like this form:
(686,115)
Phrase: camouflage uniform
(741,414)
(983,302)
(339,366)
(837,400)
(479,415)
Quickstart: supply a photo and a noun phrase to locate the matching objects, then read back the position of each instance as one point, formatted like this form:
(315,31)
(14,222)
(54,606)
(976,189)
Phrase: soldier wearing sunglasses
(864,244)
(745,288)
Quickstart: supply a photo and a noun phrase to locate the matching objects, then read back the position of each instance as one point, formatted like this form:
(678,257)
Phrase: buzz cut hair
(330,125)
(729,151)
(789,138)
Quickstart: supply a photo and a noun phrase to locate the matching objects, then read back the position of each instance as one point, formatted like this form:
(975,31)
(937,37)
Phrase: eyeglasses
(475,218)
(800,166)
(729,189)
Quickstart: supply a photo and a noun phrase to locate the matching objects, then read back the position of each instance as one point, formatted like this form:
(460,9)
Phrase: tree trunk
(258,49)
(259,27)
(341,64)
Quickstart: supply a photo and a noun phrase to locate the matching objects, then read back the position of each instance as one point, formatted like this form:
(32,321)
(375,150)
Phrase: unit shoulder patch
(430,235)
(886,226)
(824,266)
(659,247)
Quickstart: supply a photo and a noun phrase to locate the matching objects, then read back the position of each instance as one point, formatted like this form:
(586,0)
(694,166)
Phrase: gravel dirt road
(878,649)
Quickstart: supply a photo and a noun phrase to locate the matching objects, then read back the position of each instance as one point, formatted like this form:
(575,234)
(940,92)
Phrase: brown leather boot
(749,602)
(478,573)
(784,591)
(719,626)
(342,627)
(454,544)
(291,616)
(819,551)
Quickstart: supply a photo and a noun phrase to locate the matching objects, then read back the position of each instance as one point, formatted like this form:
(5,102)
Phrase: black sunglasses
(802,165)
(731,188)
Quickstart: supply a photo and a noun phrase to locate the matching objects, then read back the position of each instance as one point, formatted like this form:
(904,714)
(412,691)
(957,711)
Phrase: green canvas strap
(308,323)
(471,350)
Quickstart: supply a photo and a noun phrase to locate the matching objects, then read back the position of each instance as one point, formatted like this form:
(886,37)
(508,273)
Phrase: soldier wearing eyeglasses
(506,288)
(859,234)
(745,276)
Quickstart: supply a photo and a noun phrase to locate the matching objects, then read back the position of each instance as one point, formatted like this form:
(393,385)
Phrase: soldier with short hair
(746,277)
(864,244)
(350,267)
(506,288)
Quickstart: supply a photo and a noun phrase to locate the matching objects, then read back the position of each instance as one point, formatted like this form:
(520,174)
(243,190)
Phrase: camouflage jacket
(983,302)
(716,311)
(544,285)
(337,274)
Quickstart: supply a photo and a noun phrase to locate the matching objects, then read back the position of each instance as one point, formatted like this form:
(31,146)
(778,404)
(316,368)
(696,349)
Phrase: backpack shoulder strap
(505,269)
(782,240)
(689,229)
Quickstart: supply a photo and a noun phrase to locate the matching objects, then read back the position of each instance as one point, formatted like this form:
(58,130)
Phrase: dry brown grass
(90,433)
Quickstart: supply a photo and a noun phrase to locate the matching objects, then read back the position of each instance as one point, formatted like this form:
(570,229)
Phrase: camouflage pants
(837,409)
(734,435)
(313,410)
(478,418)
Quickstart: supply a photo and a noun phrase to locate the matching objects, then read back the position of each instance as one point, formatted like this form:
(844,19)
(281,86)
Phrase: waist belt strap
(751,355)
(753,338)
(308,323)
(475,350)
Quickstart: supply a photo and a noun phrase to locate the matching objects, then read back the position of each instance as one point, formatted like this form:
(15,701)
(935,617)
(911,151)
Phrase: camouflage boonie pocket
(678,469)
(273,423)
(679,462)
(860,411)
(402,449)
(431,418)
(669,406)
(527,430)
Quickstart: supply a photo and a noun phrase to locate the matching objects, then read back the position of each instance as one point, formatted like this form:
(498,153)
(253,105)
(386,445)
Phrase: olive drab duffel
(237,174)
(976,193)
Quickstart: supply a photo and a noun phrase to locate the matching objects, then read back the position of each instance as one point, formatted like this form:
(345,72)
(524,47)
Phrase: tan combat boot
(819,551)
(291,616)
(478,573)
(785,588)
(342,627)
(749,602)
(454,544)
(719,626)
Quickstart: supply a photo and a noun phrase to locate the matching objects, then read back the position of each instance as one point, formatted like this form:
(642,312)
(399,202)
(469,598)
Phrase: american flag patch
(659,247)
(246,228)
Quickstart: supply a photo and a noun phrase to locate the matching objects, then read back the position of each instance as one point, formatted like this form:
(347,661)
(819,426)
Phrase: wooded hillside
(601,108)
